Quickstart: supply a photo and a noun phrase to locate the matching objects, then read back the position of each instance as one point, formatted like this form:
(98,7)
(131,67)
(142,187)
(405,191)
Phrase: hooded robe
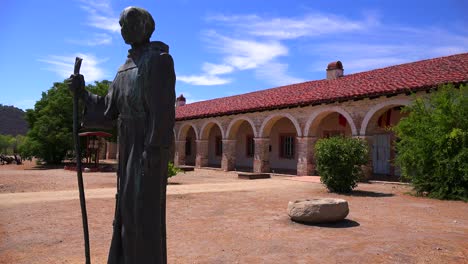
(140,101)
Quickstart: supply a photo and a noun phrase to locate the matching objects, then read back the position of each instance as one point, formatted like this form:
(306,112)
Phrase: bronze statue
(141,99)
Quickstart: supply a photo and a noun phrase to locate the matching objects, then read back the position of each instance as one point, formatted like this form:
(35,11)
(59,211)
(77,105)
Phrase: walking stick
(79,175)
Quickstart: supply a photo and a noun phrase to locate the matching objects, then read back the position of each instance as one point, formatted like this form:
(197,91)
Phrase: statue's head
(136,25)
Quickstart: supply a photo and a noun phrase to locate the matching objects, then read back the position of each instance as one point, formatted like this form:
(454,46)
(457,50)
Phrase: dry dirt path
(12,199)
(215,218)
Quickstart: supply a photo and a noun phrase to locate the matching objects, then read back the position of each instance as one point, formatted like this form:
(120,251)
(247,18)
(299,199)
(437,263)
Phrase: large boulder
(318,210)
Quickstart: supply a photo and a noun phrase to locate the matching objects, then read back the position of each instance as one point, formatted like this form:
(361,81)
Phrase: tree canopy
(433,143)
(51,123)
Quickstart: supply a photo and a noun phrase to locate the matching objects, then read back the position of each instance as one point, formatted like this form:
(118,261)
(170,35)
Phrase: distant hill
(12,121)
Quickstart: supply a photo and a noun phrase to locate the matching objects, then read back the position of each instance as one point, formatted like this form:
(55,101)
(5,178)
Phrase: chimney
(334,70)
(180,101)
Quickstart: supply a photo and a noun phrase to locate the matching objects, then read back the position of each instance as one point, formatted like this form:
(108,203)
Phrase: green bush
(50,136)
(339,161)
(433,143)
(172,170)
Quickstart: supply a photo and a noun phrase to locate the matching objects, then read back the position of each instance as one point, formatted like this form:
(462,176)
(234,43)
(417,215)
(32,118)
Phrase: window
(188,146)
(250,146)
(218,146)
(287,146)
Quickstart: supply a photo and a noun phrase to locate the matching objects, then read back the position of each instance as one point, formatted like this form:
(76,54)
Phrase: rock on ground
(318,210)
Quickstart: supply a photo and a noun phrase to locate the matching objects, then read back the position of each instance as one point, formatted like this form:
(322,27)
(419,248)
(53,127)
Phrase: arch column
(179,157)
(368,169)
(305,158)
(262,155)
(228,160)
(202,153)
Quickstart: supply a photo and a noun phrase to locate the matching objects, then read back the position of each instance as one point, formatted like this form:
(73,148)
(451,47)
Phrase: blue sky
(222,48)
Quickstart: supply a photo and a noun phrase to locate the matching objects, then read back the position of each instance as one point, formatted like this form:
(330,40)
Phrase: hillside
(12,121)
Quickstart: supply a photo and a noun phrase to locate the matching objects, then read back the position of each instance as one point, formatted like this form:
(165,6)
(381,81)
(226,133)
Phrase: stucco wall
(212,158)
(242,160)
(281,127)
(308,121)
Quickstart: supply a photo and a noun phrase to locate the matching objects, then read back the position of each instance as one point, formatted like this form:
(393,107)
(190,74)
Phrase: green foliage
(50,135)
(5,143)
(9,144)
(15,142)
(172,170)
(99,88)
(339,161)
(51,123)
(433,143)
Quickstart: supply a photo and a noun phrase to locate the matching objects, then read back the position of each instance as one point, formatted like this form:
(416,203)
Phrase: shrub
(433,143)
(339,161)
(172,170)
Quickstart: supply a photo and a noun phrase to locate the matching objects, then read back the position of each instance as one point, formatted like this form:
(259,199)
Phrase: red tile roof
(415,76)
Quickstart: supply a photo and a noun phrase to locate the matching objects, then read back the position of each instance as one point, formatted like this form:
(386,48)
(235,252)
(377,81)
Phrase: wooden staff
(84,216)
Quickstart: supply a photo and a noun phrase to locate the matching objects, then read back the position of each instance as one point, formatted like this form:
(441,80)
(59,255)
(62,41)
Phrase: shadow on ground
(361,193)
(346,223)
(46,167)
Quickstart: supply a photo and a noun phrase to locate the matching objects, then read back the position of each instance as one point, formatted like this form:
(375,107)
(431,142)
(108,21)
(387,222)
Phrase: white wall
(242,160)
(282,126)
(190,159)
(213,160)
(330,123)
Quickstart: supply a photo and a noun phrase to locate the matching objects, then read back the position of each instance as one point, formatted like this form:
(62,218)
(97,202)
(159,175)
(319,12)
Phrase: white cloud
(216,69)
(276,74)
(98,39)
(391,46)
(101,15)
(209,76)
(260,43)
(203,79)
(314,24)
(63,66)
(238,54)
(245,54)
(261,46)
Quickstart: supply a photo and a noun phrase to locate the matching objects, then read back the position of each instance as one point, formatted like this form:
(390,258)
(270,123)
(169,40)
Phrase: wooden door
(381,154)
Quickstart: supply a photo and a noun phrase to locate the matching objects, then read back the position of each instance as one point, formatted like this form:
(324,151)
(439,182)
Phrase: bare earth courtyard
(213,217)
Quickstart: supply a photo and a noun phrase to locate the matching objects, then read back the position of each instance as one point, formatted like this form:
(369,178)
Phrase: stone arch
(184,129)
(271,120)
(319,114)
(376,108)
(206,127)
(234,125)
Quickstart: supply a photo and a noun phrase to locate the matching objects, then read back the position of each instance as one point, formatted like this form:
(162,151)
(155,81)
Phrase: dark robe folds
(141,99)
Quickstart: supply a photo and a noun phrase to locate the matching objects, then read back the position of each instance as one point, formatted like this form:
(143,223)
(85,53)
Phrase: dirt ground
(213,217)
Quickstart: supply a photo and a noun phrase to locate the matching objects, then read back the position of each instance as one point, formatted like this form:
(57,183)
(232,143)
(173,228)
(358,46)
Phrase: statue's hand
(76,83)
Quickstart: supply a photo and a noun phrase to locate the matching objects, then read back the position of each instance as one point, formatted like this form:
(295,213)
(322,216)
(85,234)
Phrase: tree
(5,141)
(99,88)
(433,143)
(50,136)
(15,142)
(339,161)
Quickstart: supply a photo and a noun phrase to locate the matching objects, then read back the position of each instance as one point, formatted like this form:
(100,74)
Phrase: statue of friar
(140,102)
